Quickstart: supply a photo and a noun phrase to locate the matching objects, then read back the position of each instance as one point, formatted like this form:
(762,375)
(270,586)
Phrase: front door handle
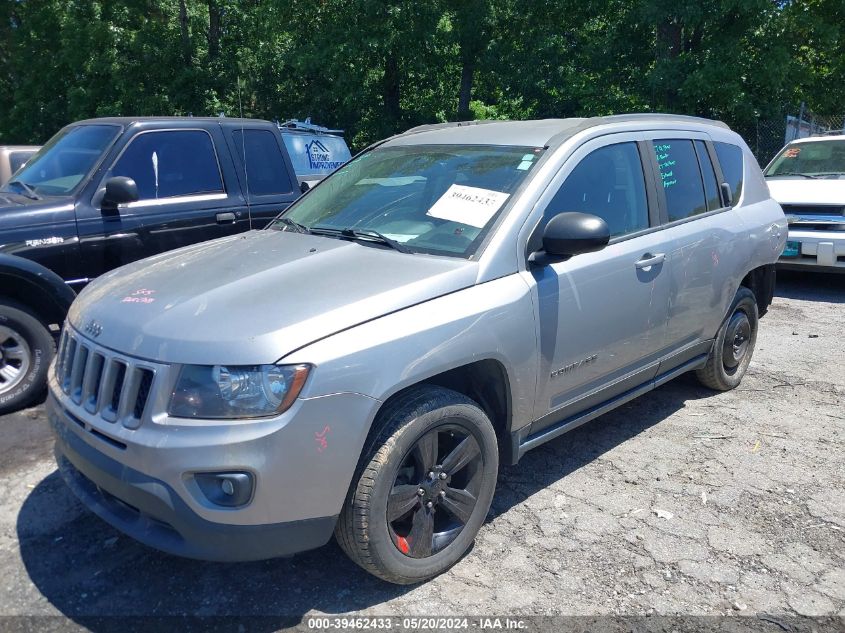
(648,260)
(226,218)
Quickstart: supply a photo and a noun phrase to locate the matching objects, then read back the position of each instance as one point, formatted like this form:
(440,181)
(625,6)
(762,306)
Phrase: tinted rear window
(730,159)
(265,166)
(709,176)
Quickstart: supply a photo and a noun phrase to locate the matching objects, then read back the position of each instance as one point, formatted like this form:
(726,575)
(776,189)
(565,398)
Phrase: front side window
(439,199)
(812,159)
(266,172)
(171,163)
(66,160)
(730,160)
(608,183)
(681,178)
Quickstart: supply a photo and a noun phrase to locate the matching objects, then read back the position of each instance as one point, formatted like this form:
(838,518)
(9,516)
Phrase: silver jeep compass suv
(449,299)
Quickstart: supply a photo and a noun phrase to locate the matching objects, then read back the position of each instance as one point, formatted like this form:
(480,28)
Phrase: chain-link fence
(766,137)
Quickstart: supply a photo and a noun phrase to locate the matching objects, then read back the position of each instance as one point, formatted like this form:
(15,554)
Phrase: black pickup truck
(105,192)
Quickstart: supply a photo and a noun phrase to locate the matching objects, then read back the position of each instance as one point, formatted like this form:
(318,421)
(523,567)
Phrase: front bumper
(138,474)
(151,512)
(820,250)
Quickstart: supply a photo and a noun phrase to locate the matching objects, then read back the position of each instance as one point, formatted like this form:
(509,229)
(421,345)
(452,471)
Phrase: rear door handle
(223,218)
(648,260)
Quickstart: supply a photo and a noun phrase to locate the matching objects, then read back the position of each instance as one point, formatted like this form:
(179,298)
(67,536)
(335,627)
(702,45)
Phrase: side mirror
(119,190)
(304,186)
(572,233)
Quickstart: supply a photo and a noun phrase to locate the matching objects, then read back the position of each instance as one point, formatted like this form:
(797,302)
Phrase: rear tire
(26,349)
(731,353)
(423,487)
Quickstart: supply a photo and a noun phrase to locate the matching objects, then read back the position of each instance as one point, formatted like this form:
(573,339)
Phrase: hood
(807,191)
(8,199)
(255,297)
(18,212)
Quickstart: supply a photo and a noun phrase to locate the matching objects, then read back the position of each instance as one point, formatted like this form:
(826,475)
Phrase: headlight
(226,391)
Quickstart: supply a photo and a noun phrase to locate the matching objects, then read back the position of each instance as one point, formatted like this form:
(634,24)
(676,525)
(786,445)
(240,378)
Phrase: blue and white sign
(315,154)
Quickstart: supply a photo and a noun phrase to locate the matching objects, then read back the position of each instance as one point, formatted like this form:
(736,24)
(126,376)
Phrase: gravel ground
(682,502)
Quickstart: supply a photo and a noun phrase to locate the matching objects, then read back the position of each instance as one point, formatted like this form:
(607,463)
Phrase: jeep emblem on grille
(94,329)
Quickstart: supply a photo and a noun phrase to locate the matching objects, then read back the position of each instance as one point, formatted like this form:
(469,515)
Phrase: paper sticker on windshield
(468,205)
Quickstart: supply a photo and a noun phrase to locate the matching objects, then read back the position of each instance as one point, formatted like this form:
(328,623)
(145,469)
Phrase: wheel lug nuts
(431,474)
(421,492)
(443,493)
(430,504)
(443,475)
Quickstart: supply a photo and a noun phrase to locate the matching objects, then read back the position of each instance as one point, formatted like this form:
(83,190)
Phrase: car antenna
(243,154)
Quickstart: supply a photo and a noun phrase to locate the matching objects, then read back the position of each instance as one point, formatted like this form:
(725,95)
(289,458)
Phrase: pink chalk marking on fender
(322,439)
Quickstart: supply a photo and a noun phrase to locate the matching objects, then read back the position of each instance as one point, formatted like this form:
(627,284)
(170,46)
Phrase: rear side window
(264,164)
(608,183)
(681,178)
(711,188)
(171,163)
(730,160)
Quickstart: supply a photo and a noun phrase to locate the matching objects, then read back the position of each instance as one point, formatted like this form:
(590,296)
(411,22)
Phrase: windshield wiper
(795,173)
(300,228)
(364,235)
(29,191)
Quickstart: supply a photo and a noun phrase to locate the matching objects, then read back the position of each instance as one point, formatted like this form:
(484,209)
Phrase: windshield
(65,160)
(815,159)
(438,199)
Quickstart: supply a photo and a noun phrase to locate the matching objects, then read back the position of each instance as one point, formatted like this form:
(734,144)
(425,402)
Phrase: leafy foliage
(378,67)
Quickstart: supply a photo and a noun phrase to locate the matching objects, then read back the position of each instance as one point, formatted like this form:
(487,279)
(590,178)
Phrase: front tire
(422,489)
(731,353)
(26,349)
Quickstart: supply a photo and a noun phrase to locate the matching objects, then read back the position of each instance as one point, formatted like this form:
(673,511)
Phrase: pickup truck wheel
(26,349)
(734,345)
(423,489)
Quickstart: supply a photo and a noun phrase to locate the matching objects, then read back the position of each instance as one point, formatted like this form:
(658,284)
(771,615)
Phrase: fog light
(226,489)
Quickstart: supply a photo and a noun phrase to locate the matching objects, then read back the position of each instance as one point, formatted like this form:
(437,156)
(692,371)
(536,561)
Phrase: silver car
(448,300)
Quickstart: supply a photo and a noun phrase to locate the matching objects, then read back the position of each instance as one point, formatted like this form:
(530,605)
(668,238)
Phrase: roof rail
(306,125)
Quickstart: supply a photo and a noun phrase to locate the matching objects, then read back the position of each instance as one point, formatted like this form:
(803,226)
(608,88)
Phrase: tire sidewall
(42,347)
(744,301)
(473,420)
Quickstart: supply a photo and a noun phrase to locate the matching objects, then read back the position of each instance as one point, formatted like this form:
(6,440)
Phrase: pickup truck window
(171,163)
(17,159)
(608,183)
(681,177)
(67,159)
(436,199)
(264,164)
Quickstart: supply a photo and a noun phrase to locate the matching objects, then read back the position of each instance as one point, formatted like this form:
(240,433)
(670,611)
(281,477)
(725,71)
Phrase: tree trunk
(669,43)
(183,27)
(213,29)
(392,105)
(465,91)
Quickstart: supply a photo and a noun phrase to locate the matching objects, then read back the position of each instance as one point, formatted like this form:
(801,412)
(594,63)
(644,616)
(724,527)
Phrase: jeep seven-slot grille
(112,387)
